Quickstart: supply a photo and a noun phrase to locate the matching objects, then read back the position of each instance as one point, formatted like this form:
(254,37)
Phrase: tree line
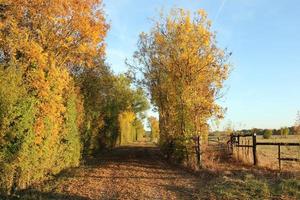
(59,100)
(267,133)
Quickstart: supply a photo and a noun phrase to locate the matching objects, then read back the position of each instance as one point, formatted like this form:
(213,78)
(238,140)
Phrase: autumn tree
(128,99)
(127,131)
(111,107)
(96,88)
(284,131)
(139,131)
(41,42)
(154,127)
(184,70)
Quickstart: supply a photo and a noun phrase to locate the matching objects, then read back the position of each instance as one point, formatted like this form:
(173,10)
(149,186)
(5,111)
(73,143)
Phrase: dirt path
(132,173)
(126,173)
(140,172)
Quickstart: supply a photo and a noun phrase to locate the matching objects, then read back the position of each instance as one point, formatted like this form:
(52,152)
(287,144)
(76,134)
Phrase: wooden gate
(235,142)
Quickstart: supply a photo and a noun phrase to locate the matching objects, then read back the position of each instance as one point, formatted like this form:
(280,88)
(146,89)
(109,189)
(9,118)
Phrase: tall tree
(184,70)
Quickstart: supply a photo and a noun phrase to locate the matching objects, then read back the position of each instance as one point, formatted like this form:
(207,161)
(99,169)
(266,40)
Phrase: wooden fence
(235,142)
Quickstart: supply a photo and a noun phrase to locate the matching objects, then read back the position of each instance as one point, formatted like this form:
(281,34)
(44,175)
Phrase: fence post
(231,143)
(238,147)
(279,157)
(254,148)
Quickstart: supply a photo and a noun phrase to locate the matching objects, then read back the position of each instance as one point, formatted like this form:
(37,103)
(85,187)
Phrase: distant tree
(257,131)
(139,131)
(154,126)
(297,124)
(229,128)
(284,131)
(267,134)
(127,132)
(292,130)
(281,131)
(277,131)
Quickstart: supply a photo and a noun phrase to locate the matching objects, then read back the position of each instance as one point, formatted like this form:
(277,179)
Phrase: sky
(263,36)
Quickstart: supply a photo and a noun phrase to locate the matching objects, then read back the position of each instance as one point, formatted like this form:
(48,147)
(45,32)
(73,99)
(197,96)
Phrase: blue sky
(263,35)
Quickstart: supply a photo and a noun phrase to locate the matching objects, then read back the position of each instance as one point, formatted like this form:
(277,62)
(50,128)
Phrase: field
(268,155)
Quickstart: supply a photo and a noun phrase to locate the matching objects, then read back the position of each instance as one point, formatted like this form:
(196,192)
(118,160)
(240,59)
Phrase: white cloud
(220,10)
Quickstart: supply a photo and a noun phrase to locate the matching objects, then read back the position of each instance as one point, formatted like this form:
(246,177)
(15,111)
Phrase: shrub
(246,188)
(284,131)
(267,134)
(24,158)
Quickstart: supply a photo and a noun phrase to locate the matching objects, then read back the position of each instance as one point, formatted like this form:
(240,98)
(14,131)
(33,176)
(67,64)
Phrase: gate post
(279,157)
(254,148)
(198,151)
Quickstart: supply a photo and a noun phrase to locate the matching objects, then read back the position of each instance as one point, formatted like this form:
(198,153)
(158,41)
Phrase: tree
(229,128)
(127,130)
(43,42)
(139,131)
(154,127)
(65,32)
(111,105)
(184,70)
(284,131)
(267,134)
(297,124)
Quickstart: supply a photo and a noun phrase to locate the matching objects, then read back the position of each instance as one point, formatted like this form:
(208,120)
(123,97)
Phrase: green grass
(248,186)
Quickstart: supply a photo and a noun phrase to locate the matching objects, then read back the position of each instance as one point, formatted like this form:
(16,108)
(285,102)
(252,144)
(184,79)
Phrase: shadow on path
(127,172)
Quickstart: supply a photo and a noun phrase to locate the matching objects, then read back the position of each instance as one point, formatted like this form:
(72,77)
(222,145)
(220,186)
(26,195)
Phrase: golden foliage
(154,126)
(45,40)
(67,31)
(126,120)
(184,71)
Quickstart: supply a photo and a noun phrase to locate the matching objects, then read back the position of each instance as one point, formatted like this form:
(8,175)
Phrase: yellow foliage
(126,120)
(154,126)
(67,30)
(184,72)
(46,40)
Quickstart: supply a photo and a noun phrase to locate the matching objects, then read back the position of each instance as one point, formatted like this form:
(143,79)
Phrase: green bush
(267,134)
(17,115)
(284,131)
